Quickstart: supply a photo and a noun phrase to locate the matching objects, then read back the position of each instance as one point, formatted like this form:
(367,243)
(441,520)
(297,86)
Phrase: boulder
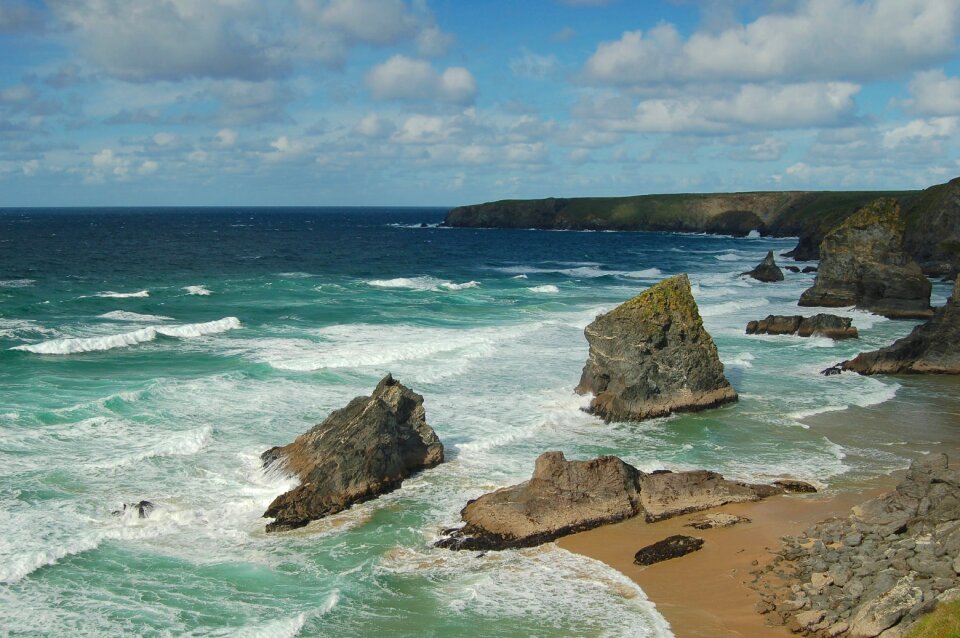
(886,610)
(716,520)
(767,270)
(142,508)
(863,264)
(563,497)
(359,452)
(822,324)
(809,269)
(668,494)
(791,486)
(671,547)
(794,269)
(932,347)
(651,356)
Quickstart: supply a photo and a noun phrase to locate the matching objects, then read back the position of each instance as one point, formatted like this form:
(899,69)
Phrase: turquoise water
(153,354)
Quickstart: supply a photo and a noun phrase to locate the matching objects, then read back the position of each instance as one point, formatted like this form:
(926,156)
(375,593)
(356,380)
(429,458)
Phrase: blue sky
(429,102)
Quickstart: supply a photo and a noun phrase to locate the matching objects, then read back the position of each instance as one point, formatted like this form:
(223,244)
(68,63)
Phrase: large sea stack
(563,497)
(932,347)
(359,452)
(651,356)
(863,264)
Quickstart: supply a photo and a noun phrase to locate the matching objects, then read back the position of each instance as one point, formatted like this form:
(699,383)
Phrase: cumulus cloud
(226,137)
(532,65)
(819,40)
(934,93)
(403,78)
(937,128)
(749,106)
(375,126)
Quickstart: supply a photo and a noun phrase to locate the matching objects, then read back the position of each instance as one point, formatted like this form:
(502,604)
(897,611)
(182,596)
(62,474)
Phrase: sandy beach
(707,593)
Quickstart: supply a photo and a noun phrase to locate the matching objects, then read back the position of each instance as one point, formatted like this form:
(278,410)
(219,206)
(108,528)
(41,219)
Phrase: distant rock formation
(932,234)
(863,264)
(671,547)
(932,347)
(891,561)
(821,324)
(767,270)
(359,452)
(651,356)
(563,497)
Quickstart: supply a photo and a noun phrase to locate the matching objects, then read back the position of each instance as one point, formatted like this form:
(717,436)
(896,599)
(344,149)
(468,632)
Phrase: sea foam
(202,291)
(123,295)
(123,315)
(126,339)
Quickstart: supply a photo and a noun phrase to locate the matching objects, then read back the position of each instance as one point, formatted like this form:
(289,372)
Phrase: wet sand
(706,594)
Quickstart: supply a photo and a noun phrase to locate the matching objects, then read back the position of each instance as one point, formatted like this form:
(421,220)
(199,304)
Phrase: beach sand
(707,593)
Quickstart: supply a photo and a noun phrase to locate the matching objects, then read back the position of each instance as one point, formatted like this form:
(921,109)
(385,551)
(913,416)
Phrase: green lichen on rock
(651,356)
(884,212)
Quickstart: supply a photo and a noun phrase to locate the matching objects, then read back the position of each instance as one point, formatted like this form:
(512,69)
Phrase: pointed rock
(651,356)
(932,347)
(767,270)
(359,452)
(863,264)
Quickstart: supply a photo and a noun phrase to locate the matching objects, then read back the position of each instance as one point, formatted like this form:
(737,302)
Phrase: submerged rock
(792,268)
(791,486)
(932,347)
(563,497)
(716,520)
(651,356)
(671,547)
(142,508)
(359,452)
(767,270)
(863,264)
(821,325)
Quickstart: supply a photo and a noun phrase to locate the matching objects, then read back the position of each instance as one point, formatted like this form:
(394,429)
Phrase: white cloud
(148,167)
(403,78)
(373,125)
(937,128)
(379,22)
(432,42)
(163,138)
(934,93)
(819,40)
(532,65)
(750,106)
(31,167)
(107,164)
(285,149)
(226,137)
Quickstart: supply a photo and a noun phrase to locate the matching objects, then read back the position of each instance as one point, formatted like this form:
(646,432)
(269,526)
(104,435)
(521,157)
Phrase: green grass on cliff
(942,622)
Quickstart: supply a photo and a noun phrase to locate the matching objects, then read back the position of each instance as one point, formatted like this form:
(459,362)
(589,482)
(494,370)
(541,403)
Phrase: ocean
(155,353)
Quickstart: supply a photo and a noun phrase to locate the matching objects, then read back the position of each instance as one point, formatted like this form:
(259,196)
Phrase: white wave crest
(203,291)
(123,315)
(730,307)
(452,286)
(414,283)
(123,295)
(548,288)
(94,344)
(16,283)
(742,360)
(648,273)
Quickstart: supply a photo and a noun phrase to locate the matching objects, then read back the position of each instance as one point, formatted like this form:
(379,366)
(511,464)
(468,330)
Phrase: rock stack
(767,270)
(359,452)
(863,264)
(932,347)
(651,356)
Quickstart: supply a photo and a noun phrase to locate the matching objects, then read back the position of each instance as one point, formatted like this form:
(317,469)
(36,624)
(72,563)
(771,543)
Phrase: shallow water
(153,354)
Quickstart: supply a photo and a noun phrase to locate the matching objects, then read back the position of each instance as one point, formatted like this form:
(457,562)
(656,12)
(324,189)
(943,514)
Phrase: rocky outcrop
(932,347)
(863,264)
(823,325)
(671,547)
(563,497)
(716,520)
(889,562)
(932,234)
(791,486)
(767,270)
(357,453)
(651,356)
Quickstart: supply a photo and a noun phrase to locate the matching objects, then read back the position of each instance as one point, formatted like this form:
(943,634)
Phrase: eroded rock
(863,264)
(671,547)
(651,356)
(359,452)
(822,324)
(767,270)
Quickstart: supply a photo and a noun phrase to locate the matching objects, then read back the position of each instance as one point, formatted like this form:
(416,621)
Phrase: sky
(447,102)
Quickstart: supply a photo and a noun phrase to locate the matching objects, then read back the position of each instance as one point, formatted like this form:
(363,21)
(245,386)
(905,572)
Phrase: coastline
(707,593)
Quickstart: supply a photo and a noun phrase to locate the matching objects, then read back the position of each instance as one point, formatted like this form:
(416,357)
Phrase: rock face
(767,270)
(822,324)
(932,347)
(357,453)
(563,497)
(933,228)
(888,563)
(863,263)
(671,547)
(651,356)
